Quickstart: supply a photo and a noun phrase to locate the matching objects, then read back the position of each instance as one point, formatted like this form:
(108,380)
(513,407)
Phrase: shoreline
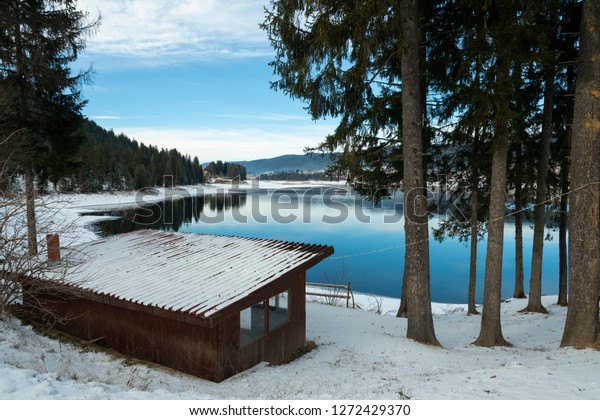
(72,221)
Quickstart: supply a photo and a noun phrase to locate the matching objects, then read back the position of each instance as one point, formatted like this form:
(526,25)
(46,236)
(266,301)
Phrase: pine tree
(456,71)
(519,292)
(349,59)
(569,38)
(416,260)
(535,285)
(38,41)
(499,21)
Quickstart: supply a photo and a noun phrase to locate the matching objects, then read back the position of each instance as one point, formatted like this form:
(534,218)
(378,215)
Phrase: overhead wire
(554,198)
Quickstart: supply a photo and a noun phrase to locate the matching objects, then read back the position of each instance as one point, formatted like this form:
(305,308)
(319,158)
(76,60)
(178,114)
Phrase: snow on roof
(196,274)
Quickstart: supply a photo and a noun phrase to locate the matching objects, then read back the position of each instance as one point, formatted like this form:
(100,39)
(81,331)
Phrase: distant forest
(296,176)
(229,170)
(109,161)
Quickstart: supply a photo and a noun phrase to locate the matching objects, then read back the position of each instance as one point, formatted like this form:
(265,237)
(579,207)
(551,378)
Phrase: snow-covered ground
(360,354)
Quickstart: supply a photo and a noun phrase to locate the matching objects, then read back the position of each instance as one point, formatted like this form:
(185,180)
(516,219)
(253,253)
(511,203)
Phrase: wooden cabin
(207,305)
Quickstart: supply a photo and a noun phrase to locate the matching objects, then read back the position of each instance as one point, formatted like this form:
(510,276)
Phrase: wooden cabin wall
(277,345)
(179,345)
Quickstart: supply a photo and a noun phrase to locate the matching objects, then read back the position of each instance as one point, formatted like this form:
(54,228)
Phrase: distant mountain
(287,163)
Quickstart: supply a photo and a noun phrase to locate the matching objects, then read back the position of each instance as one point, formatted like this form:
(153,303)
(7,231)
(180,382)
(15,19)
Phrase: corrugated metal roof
(195,274)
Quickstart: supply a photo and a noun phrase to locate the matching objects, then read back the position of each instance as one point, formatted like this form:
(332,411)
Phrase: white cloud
(178,30)
(105,117)
(231,144)
(263,117)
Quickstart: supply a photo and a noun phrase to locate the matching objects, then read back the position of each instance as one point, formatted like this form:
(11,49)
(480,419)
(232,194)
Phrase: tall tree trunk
(425,137)
(564,198)
(562,227)
(491,329)
(416,262)
(425,130)
(32,245)
(519,292)
(534,304)
(471,307)
(581,327)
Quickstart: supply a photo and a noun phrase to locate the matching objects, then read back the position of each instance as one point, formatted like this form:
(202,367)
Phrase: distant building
(207,305)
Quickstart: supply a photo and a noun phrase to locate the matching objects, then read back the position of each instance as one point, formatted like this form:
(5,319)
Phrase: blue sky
(194,75)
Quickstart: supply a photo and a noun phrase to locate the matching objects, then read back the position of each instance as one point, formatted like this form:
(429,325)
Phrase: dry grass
(306,348)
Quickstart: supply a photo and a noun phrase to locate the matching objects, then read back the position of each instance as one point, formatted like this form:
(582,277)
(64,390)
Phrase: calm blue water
(368,240)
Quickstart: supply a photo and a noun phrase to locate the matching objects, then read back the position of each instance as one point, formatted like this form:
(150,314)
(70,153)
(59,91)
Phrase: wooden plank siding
(179,345)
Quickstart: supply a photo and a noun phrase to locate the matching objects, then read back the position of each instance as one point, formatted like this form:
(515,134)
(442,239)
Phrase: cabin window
(279,312)
(252,323)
